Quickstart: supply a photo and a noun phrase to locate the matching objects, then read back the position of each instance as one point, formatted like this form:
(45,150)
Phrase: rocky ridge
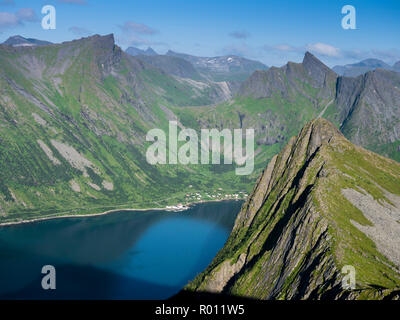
(300,225)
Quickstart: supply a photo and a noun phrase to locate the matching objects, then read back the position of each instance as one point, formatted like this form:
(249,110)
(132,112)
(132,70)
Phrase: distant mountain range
(136,51)
(225,68)
(19,41)
(228,67)
(222,75)
(362,67)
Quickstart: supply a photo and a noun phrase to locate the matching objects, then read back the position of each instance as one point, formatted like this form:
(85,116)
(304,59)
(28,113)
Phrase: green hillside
(321,204)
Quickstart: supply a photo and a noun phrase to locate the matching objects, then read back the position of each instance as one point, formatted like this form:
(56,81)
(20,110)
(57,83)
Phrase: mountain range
(73,122)
(229,68)
(362,67)
(74,116)
(133,51)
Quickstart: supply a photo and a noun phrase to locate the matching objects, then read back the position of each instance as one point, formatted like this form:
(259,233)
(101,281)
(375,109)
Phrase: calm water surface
(123,255)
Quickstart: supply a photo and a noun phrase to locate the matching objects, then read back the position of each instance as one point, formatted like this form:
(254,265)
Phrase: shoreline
(89,215)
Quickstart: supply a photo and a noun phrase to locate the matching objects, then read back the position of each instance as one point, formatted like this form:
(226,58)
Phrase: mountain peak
(20,41)
(98,42)
(318,133)
(107,39)
(309,56)
(312,71)
(362,67)
(316,69)
(324,128)
(16,37)
(312,61)
(371,63)
(151,52)
(133,51)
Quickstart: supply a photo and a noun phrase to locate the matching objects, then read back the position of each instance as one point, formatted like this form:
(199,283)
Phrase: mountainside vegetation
(73,121)
(321,204)
(279,101)
(74,116)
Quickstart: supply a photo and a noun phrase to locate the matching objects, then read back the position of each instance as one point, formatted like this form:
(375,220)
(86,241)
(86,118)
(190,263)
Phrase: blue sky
(272,31)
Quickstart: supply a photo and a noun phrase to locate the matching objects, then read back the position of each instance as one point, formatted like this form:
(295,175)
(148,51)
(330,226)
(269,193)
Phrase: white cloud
(324,49)
(9,20)
(138,28)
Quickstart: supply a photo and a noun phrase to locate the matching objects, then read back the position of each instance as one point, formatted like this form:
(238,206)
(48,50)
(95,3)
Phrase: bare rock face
(385,218)
(226,271)
(370,108)
(290,78)
(316,70)
(301,225)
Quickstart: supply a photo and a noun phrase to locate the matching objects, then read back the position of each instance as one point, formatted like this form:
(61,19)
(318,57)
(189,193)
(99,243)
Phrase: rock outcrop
(370,108)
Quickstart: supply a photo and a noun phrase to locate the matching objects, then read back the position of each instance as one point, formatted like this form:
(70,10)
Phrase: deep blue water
(123,255)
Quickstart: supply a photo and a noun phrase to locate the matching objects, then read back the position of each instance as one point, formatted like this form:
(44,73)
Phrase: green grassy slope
(298,229)
(73,120)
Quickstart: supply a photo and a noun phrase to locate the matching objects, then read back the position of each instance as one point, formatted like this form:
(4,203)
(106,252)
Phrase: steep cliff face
(373,118)
(321,204)
(367,111)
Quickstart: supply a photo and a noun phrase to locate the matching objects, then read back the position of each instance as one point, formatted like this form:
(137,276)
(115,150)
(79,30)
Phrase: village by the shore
(198,197)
